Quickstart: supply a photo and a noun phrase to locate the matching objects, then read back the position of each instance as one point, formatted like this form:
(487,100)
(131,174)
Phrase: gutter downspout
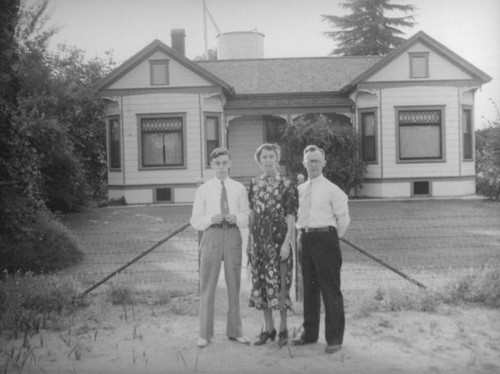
(123,143)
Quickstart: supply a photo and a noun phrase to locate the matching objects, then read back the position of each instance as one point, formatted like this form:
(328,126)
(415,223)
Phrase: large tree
(368,30)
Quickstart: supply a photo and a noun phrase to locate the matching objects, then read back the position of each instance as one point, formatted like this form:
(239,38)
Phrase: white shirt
(328,205)
(207,203)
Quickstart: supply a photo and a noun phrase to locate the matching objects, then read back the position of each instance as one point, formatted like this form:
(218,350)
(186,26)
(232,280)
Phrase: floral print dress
(271,199)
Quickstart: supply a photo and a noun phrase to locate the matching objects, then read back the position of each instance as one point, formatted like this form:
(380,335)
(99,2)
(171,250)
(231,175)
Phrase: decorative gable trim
(147,52)
(432,44)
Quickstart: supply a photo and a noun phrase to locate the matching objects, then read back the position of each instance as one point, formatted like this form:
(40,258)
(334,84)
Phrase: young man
(220,210)
(323,217)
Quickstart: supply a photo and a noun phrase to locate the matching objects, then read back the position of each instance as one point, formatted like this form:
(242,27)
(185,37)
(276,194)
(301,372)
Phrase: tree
(336,136)
(367,31)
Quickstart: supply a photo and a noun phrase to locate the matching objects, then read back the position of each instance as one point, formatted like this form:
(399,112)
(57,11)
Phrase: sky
(292,28)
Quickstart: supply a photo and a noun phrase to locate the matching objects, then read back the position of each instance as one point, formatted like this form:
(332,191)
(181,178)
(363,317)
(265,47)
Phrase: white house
(413,109)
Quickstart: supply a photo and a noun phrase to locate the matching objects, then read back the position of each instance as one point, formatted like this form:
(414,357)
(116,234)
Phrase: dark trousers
(321,263)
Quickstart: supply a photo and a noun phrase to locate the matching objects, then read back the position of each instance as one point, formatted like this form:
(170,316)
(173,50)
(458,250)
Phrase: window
(420,134)
(212,130)
(162,141)
(159,72)
(163,195)
(421,188)
(275,129)
(419,65)
(467,133)
(114,157)
(368,137)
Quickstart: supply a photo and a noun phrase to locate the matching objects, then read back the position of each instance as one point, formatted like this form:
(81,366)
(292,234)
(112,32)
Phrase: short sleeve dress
(271,199)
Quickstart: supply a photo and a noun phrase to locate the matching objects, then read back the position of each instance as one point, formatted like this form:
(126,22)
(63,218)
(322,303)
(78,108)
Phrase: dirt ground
(162,339)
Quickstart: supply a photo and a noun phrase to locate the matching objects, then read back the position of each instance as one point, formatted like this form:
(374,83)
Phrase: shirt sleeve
(199,218)
(340,210)
(243,208)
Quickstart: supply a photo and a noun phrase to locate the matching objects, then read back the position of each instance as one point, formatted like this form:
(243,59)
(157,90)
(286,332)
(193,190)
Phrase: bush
(47,247)
(338,138)
(488,161)
(29,302)
(481,288)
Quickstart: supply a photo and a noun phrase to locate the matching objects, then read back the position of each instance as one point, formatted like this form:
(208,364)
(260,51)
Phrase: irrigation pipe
(135,259)
(400,273)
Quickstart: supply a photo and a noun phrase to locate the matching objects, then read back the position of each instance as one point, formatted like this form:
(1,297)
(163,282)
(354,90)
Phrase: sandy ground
(162,339)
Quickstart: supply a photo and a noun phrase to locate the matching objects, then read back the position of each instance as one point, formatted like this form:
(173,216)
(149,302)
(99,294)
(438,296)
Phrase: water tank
(240,45)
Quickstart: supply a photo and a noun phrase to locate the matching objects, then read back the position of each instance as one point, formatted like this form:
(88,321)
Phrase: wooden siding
(179,76)
(166,103)
(421,96)
(399,69)
(246,134)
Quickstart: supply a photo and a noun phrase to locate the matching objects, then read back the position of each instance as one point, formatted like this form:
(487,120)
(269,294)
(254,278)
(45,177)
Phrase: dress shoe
(241,340)
(202,342)
(301,341)
(283,338)
(264,336)
(332,348)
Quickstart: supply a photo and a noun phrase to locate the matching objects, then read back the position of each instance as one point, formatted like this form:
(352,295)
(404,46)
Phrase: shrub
(47,247)
(338,138)
(482,288)
(488,161)
(30,302)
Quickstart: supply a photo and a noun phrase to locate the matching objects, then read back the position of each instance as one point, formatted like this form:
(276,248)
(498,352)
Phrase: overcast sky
(292,28)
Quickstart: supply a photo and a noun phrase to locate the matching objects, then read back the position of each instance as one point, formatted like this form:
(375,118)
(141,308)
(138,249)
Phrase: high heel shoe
(283,338)
(264,336)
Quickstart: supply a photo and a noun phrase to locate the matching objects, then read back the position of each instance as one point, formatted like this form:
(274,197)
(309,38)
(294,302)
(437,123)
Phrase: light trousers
(220,245)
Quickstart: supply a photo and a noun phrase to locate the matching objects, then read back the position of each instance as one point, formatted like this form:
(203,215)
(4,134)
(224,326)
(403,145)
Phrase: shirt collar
(316,180)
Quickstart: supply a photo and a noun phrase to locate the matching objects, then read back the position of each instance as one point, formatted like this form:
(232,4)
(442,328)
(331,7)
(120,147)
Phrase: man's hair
(313,148)
(268,147)
(220,151)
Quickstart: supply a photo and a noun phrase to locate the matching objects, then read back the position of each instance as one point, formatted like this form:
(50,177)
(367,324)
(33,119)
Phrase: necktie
(224,205)
(305,204)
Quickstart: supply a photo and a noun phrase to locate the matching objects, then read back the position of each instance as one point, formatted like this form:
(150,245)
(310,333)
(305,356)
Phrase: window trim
(442,132)
(414,55)
(206,115)
(160,62)
(361,112)
(108,134)
(470,109)
(142,116)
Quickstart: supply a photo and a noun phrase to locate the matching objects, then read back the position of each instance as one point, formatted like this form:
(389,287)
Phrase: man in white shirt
(220,210)
(323,217)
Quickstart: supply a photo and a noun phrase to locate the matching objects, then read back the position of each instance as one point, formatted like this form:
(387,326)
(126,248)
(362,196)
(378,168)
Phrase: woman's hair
(268,147)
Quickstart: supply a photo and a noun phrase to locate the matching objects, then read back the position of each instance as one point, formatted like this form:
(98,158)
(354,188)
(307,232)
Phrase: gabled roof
(289,75)
(155,46)
(422,37)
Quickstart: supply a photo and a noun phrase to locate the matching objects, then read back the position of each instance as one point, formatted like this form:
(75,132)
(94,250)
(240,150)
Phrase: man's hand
(230,218)
(218,218)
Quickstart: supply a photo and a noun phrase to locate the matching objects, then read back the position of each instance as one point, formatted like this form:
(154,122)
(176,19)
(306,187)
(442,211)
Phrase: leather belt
(309,230)
(223,225)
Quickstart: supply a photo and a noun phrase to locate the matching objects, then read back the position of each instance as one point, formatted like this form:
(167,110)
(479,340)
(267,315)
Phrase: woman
(274,202)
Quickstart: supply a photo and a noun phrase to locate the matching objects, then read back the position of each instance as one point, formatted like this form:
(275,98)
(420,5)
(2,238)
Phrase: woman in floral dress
(274,202)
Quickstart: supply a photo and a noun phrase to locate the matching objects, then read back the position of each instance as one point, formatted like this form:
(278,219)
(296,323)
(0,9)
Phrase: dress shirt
(207,203)
(328,205)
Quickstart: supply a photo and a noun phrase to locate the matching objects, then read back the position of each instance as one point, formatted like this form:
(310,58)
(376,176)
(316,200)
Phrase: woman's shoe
(283,338)
(264,336)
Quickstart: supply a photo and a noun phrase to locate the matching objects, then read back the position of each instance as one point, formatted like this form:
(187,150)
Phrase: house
(413,110)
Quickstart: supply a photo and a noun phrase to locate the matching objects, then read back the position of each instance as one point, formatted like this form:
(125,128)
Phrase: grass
(479,288)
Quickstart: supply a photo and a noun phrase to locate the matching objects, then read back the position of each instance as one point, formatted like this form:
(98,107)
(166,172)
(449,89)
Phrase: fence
(433,241)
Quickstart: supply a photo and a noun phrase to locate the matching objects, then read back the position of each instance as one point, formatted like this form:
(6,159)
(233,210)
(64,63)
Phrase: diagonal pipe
(393,269)
(135,259)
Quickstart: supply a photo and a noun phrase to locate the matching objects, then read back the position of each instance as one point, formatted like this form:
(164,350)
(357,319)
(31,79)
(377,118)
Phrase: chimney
(177,37)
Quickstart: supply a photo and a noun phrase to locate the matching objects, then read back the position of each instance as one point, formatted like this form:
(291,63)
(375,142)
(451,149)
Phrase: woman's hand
(285,250)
